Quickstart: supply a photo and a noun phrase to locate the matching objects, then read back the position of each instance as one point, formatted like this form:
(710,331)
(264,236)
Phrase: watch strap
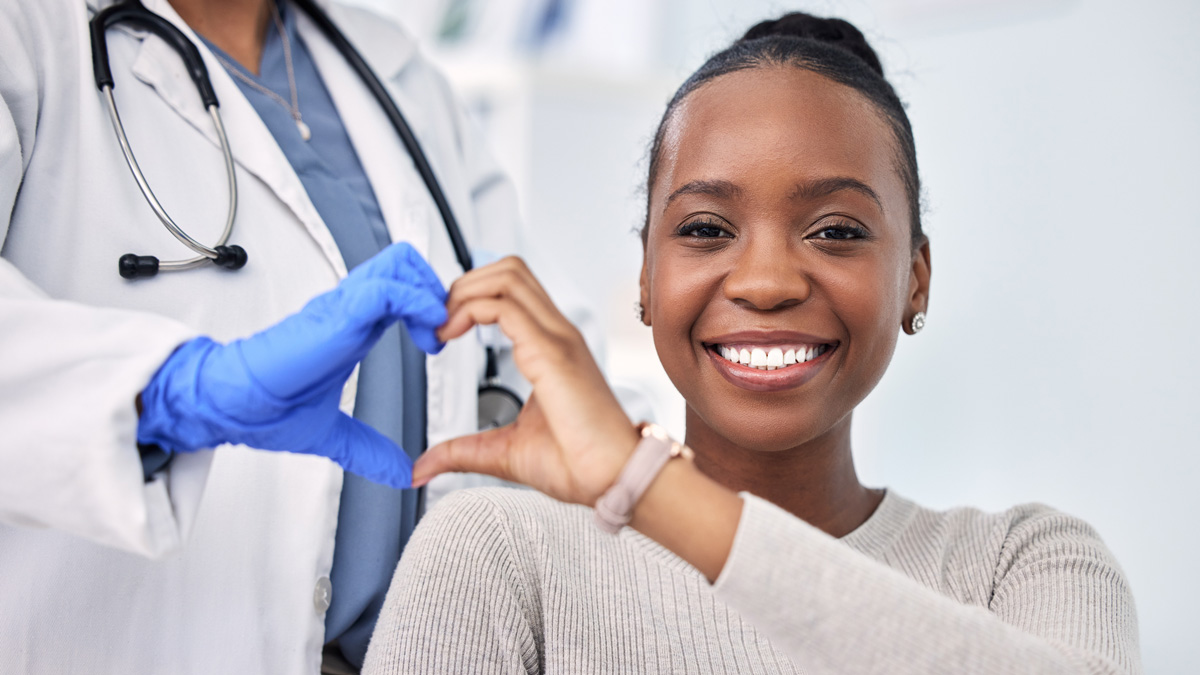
(615,507)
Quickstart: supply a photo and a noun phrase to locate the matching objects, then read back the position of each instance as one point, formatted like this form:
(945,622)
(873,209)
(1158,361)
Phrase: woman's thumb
(485,452)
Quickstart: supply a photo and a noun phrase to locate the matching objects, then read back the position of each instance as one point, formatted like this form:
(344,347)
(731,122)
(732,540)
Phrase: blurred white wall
(1059,144)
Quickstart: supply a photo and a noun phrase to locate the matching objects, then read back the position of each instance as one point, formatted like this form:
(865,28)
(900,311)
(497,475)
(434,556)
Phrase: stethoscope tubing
(132,11)
(206,253)
(399,123)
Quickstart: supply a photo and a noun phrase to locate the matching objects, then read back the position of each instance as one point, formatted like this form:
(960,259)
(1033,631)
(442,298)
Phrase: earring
(917,323)
(639,311)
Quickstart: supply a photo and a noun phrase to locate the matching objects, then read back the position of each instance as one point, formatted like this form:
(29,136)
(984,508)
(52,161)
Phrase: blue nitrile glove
(280,389)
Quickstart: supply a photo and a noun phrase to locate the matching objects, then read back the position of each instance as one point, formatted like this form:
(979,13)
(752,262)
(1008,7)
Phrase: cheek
(679,291)
(869,301)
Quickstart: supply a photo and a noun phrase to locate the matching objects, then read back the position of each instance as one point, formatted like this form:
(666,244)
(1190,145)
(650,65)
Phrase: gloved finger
(402,262)
(363,451)
(421,311)
(485,452)
(425,338)
(382,301)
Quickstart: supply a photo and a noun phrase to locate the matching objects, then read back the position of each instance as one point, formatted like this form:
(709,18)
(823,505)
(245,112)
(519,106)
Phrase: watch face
(497,407)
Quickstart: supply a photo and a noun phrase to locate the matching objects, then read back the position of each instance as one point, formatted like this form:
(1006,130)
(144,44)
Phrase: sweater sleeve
(1060,603)
(458,601)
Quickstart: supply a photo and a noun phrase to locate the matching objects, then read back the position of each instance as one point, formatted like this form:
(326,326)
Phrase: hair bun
(835,32)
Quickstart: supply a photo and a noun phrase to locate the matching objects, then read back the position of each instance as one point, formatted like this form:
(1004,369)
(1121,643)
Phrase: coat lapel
(407,208)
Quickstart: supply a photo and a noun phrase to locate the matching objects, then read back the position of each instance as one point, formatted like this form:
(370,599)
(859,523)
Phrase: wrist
(653,450)
(166,407)
(617,456)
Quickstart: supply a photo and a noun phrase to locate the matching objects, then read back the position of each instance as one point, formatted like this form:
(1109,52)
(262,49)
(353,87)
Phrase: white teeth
(771,358)
(775,358)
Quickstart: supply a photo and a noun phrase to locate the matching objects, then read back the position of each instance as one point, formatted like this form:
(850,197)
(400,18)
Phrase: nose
(767,277)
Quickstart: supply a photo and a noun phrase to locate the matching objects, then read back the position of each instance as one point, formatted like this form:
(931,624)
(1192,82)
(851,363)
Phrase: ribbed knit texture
(509,581)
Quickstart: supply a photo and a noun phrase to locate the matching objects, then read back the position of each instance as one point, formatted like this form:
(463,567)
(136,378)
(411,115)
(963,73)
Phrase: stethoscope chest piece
(498,406)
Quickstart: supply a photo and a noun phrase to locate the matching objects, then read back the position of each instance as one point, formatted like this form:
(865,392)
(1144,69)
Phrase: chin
(766,432)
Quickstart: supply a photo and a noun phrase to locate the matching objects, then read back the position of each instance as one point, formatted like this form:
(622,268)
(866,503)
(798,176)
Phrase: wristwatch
(615,507)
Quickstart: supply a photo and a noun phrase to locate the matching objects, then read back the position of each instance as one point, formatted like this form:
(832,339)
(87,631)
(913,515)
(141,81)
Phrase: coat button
(322,594)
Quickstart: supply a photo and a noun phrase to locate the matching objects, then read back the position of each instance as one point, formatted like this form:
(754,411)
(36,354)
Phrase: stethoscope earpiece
(137,266)
(231,257)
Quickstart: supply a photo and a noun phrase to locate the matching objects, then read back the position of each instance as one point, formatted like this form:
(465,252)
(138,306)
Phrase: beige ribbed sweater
(509,581)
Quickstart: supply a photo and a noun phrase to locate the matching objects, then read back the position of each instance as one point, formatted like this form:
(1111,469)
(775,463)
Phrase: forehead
(779,121)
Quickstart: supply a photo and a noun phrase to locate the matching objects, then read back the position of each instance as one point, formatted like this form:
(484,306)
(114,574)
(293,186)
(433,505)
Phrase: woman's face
(778,231)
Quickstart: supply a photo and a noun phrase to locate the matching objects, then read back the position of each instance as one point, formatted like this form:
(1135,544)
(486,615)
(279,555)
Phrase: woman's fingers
(506,278)
(512,318)
(485,452)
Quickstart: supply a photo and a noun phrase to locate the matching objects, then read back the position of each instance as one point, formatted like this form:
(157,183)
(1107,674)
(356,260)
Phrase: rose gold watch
(615,507)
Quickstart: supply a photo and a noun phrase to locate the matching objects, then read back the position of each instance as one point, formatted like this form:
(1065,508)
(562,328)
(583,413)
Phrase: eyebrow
(723,189)
(827,186)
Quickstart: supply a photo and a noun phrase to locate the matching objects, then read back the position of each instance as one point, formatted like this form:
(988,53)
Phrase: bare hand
(571,438)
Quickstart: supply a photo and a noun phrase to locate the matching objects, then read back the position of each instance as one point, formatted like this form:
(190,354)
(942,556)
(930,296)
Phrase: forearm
(691,515)
(68,422)
(833,609)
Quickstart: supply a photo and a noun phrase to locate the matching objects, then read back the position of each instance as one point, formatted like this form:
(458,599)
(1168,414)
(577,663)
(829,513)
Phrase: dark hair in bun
(830,47)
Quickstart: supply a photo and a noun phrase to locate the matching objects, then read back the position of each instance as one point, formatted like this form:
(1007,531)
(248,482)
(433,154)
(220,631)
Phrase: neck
(238,27)
(815,481)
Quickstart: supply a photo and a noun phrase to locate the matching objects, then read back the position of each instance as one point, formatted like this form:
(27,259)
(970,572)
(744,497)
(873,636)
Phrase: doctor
(166,557)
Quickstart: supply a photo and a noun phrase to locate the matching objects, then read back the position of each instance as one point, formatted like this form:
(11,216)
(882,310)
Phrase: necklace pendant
(305,132)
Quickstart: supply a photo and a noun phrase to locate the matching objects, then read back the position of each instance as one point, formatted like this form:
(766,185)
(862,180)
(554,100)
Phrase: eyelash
(690,229)
(847,229)
(844,227)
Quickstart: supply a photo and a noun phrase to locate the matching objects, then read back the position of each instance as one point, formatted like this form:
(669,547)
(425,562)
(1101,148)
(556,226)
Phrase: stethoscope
(498,405)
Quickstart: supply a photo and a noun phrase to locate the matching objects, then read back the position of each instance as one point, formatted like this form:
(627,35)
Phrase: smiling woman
(783,256)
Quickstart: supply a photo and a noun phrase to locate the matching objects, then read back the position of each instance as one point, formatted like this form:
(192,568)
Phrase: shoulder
(1023,531)
(503,521)
(986,551)
(496,505)
(46,26)
(1011,530)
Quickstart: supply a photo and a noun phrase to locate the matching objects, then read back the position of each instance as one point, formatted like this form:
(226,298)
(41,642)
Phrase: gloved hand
(280,389)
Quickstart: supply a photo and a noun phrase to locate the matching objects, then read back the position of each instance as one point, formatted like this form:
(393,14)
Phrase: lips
(767,362)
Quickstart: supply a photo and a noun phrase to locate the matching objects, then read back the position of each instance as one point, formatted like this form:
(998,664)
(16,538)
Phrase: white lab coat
(213,566)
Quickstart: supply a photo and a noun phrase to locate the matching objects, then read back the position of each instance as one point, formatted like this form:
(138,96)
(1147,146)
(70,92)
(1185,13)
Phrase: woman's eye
(842,231)
(703,230)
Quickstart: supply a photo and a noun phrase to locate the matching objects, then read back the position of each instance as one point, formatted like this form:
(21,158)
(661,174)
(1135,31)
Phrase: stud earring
(639,311)
(917,323)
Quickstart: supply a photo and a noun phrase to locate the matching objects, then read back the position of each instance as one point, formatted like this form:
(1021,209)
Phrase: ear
(918,284)
(644,291)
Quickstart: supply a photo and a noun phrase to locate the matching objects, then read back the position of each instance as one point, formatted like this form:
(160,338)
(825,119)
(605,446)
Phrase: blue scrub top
(374,522)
